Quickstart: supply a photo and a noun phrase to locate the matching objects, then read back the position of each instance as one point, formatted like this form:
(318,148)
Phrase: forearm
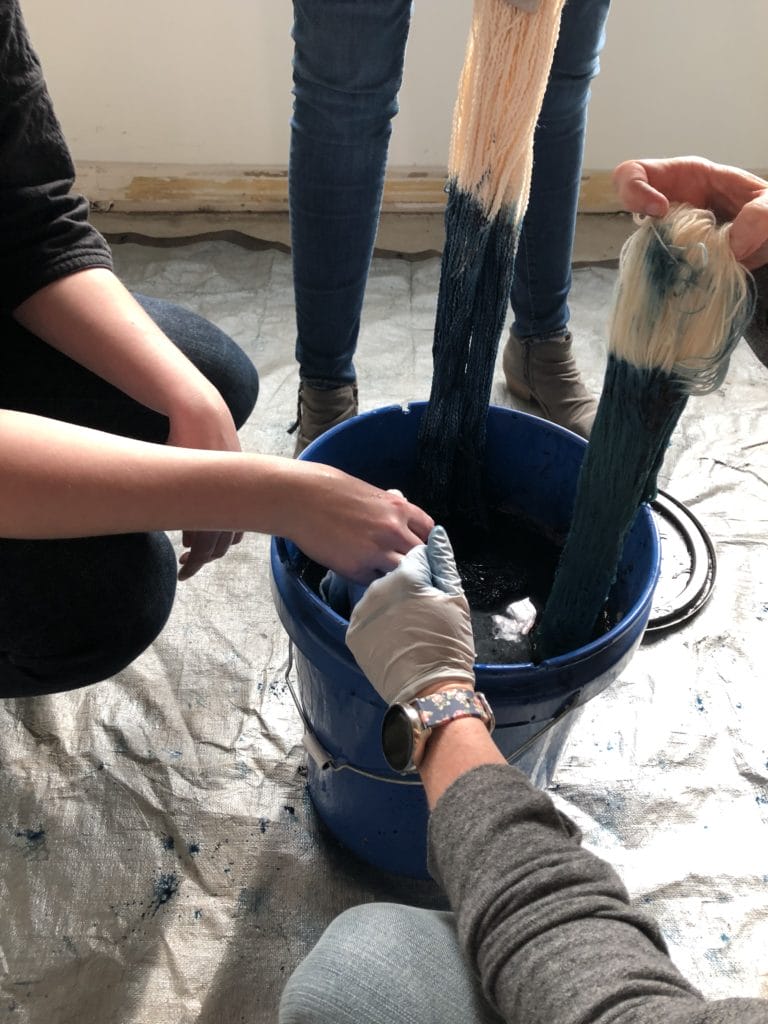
(548,925)
(452,750)
(60,480)
(90,317)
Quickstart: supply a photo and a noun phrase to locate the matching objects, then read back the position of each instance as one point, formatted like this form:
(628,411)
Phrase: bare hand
(352,527)
(649,186)
(207,425)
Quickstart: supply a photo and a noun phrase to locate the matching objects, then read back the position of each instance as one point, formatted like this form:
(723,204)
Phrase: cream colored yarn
(683,297)
(503,81)
(502,85)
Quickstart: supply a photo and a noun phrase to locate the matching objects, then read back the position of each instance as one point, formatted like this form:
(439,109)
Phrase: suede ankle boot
(545,372)
(319,410)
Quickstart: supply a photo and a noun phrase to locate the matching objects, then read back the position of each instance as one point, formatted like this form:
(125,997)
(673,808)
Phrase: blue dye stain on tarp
(165,886)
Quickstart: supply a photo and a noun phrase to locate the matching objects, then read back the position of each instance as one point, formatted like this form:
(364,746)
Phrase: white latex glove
(412,628)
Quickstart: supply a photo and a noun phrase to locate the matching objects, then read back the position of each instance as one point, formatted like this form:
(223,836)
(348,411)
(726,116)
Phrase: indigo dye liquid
(507,571)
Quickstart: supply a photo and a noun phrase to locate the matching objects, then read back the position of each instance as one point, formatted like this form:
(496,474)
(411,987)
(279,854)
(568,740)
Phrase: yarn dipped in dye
(682,303)
(501,90)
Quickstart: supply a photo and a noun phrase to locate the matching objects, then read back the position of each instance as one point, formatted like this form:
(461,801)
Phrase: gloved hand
(413,628)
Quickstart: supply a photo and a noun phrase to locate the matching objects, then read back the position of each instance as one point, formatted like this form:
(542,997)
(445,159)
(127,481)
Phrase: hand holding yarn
(412,629)
(649,186)
(348,525)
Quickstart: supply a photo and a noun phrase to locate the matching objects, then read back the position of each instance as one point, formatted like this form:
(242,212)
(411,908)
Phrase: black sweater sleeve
(547,924)
(44,229)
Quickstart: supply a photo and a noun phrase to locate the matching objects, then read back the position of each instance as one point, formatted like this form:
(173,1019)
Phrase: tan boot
(319,410)
(545,372)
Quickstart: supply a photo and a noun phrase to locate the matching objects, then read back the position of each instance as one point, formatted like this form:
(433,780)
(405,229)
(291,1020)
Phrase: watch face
(397,738)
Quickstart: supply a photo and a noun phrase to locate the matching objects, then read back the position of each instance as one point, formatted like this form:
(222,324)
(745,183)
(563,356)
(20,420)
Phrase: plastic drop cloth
(159,858)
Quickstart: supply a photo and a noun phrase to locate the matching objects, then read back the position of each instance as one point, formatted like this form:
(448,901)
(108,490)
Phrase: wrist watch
(407,727)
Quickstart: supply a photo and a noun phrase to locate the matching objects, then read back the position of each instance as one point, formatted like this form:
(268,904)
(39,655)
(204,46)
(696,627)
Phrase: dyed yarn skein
(505,72)
(683,302)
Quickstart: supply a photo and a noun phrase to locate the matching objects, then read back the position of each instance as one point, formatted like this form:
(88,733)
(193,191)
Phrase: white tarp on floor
(159,857)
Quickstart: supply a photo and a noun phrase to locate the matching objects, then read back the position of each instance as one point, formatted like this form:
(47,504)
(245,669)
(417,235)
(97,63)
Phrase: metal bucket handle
(326,761)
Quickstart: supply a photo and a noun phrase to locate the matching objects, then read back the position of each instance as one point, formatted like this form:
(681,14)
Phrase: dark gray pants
(73,612)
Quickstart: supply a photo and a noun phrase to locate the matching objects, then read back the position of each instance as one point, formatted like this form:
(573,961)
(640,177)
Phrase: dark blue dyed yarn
(475,281)
(638,412)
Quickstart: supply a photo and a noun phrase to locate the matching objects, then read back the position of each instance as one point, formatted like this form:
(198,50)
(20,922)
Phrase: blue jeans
(73,612)
(348,66)
(384,963)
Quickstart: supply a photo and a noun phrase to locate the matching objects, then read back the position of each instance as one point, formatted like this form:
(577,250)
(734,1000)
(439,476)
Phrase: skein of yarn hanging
(683,302)
(501,90)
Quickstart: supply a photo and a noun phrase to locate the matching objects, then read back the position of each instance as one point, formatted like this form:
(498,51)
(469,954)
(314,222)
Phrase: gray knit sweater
(547,924)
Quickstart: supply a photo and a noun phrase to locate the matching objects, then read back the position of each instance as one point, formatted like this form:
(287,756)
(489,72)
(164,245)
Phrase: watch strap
(447,705)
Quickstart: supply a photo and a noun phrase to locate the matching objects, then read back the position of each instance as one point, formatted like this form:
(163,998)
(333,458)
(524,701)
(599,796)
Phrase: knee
(213,352)
(568,88)
(347,977)
(237,381)
(325,987)
(136,600)
(348,68)
(113,597)
(343,118)
(576,60)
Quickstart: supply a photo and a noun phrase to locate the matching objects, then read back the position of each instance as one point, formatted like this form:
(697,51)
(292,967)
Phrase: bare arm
(454,749)
(55,275)
(93,319)
(59,480)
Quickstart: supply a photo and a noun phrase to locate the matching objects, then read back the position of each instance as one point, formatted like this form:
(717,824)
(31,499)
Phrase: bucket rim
(571,659)
(281,548)
(409,406)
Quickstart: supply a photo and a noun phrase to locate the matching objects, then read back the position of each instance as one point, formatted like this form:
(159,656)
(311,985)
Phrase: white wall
(188,81)
(683,76)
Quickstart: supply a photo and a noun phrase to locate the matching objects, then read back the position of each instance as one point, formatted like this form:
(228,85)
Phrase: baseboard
(176,203)
(138,188)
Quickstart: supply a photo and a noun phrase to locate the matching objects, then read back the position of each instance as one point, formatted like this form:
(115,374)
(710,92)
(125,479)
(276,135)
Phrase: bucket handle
(326,762)
(570,705)
(322,758)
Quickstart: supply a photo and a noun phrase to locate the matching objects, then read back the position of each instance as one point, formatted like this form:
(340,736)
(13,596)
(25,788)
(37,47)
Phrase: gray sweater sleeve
(547,924)
(44,229)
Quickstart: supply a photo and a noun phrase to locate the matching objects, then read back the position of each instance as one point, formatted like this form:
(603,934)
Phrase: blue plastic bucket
(532,466)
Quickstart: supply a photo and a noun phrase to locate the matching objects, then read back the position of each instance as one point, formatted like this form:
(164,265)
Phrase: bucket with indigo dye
(531,466)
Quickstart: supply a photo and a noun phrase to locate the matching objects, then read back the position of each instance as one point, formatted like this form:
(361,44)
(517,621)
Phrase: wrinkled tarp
(159,857)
